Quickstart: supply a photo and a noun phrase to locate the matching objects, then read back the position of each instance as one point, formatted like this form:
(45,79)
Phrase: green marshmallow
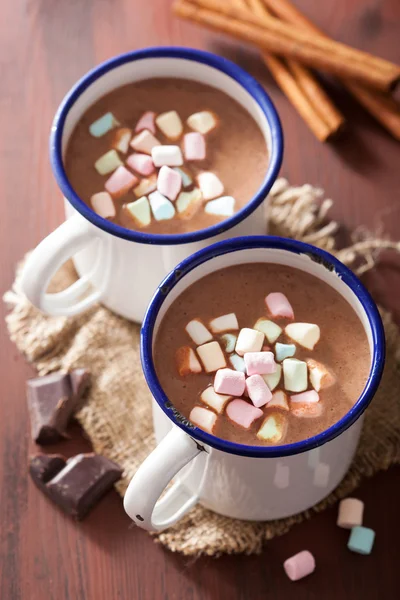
(108,162)
(273,379)
(361,540)
(283,351)
(229,341)
(103,125)
(270,329)
(140,211)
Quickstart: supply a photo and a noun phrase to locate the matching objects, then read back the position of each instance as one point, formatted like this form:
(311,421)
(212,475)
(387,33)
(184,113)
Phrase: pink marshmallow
(120,182)
(259,363)
(169,182)
(229,382)
(194,146)
(310,397)
(258,391)
(299,565)
(242,413)
(146,121)
(279,306)
(141,163)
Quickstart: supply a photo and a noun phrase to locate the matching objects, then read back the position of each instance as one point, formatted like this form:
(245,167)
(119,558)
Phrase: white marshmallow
(320,376)
(170,124)
(203,121)
(279,400)
(211,356)
(214,400)
(203,418)
(198,332)
(305,334)
(224,323)
(249,340)
(273,429)
(161,207)
(145,142)
(210,186)
(140,211)
(170,156)
(295,375)
(222,207)
(188,203)
(273,379)
(187,361)
(103,205)
(270,329)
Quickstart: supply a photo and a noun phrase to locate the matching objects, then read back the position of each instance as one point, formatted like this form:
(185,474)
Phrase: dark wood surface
(45,46)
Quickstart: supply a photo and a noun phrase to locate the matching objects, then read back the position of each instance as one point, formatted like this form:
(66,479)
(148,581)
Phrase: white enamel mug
(246,482)
(119,267)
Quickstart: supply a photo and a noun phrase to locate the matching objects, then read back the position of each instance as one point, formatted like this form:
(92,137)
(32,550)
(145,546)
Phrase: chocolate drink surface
(224,142)
(310,375)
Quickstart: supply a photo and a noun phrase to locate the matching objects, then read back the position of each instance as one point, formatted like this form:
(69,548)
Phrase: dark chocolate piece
(43,467)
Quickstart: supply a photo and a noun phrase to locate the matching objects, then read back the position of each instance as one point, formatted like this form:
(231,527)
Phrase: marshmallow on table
(161,207)
(146,121)
(320,376)
(102,125)
(211,356)
(257,390)
(249,340)
(194,146)
(305,334)
(107,163)
(214,400)
(350,513)
(270,329)
(121,140)
(227,322)
(283,351)
(300,565)
(120,182)
(198,332)
(141,163)
(169,182)
(229,340)
(186,361)
(243,413)
(170,156)
(361,540)
(237,363)
(170,124)
(186,179)
(279,306)
(103,205)
(145,142)
(309,397)
(221,207)
(259,363)
(146,186)
(140,211)
(309,410)
(273,379)
(209,184)
(230,382)
(279,400)
(203,121)
(188,203)
(273,428)
(203,418)
(295,375)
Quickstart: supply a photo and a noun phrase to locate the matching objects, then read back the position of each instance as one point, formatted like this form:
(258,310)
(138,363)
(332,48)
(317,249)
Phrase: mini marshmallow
(203,418)
(121,140)
(120,182)
(320,376)
(273,379)
(140,211)
(161,207)
(103,205)
(221,207)
(227,322)
(273,428)
(361,540)
(186,179)
(243,413)
(194,146)
(203,121)
(170,156)
(231,382)
(295,375)
(211,356)
(108,163)
(141,163)
(305,334)
(257,390)
(259,363)
(279,400)
(311,410)
(300,565)
(145,142)
(101,126)
(270,329)
(309,397)
(170,124)
(210,186)
(350,514)
(186,361)
(249,340)
(169,182)
(229,341)
(146,121)
(279,306)
(237,363)
(283,351)
(188,203)
(146,186)
(198,332)
(214,400)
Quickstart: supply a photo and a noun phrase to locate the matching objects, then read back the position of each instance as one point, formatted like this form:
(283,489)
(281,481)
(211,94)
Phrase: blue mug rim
(222,64)
(297,247)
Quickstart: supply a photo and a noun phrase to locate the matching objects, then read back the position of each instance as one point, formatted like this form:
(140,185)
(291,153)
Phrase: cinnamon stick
(285,39)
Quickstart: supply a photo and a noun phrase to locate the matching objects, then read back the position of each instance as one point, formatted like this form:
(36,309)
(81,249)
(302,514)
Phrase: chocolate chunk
(44,467)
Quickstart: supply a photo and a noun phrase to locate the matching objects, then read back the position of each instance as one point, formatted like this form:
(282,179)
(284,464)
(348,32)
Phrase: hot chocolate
(166,156)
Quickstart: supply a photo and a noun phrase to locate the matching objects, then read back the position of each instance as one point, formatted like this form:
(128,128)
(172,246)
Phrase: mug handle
(45,260)
(141,500)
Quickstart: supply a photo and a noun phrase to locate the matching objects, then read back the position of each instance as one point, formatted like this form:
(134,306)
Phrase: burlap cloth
(117,417)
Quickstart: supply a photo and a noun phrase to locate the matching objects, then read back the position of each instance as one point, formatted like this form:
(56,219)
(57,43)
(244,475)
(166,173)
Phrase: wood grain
(45,47)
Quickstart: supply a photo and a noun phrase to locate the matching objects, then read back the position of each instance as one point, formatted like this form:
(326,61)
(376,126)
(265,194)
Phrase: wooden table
(45,47)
